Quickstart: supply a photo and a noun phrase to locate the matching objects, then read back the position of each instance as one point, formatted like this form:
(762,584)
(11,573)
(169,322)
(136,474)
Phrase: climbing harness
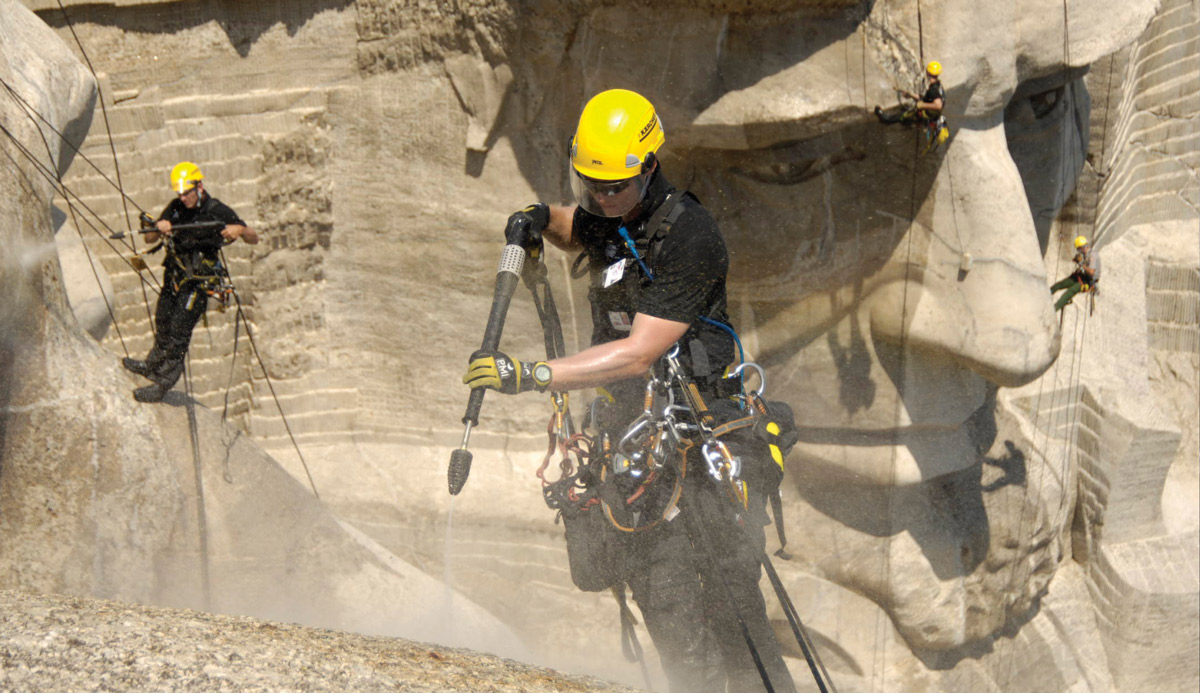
(613,484)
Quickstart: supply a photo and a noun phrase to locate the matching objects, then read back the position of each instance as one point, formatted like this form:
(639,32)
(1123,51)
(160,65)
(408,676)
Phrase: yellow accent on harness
(776,453)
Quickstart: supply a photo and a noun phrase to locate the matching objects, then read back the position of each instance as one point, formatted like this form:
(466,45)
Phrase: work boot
(136,366)
(151,393)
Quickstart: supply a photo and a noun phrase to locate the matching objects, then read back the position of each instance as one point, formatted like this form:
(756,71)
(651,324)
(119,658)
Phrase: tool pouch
(594,549)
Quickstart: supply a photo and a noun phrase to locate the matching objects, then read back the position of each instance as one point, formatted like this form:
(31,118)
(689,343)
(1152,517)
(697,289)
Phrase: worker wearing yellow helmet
(193,227)
(1085,276)
(657,264)
(928,107)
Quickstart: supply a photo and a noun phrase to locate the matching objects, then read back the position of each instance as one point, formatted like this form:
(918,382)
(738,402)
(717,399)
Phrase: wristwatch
(541,375)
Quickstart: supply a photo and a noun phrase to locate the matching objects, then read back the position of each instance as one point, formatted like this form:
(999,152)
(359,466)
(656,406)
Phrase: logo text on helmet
(649,127)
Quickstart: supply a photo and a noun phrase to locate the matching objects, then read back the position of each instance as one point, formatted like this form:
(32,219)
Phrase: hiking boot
(150,393)
(136,366)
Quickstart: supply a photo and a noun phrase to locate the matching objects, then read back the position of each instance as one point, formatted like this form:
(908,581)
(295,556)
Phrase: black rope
(237,323)
(50,177)
(78,153)
(630,647)
(103,111)
(26,108)
(700,538)
(254,348)
(815,665)
(198,470)
(112,148)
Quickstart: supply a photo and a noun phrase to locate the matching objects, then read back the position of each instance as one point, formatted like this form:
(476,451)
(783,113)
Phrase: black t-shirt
(688,266)
(935,92)
(187,245)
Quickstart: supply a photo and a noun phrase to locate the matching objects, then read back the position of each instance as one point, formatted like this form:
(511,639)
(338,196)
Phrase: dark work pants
(1072,286)
(692,578)
(911,116)
(175,316)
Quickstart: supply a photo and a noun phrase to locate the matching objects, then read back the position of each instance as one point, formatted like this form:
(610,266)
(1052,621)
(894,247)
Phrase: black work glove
(526,226)
(499,371)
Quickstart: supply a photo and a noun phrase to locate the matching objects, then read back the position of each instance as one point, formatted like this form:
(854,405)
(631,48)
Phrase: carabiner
(719,460)
(762,375)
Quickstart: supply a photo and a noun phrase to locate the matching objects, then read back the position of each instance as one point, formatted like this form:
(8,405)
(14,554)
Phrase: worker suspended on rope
(927,109)
(657,264)
(192,271)
(1085,277)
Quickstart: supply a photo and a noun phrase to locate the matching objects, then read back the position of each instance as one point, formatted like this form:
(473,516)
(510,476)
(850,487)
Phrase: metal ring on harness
(762,375)
(717,457)
(632,432)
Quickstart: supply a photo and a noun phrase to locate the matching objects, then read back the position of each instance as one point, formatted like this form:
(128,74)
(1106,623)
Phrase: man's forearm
(599,365)
(560,231)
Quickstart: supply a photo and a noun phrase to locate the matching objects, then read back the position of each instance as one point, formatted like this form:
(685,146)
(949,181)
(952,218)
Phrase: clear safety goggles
(608,198)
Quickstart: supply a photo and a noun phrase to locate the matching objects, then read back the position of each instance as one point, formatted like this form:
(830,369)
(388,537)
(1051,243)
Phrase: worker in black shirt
(190,270)
(928,108)
(651,290)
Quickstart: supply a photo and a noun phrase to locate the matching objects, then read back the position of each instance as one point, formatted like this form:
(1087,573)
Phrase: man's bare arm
(560,231)
(235,231)
(632,356)
(935,105)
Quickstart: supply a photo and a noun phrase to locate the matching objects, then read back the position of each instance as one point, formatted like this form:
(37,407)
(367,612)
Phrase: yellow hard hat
(617,129)
(1080,241)
(618,133)
(184,177)
(933,68)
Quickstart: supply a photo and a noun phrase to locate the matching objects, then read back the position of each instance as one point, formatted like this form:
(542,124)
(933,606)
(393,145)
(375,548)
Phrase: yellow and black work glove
(501,372)
(524,228)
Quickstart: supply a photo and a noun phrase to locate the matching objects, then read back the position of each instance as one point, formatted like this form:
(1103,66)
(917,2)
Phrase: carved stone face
(889,290)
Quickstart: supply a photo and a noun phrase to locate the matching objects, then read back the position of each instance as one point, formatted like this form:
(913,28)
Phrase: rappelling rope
(1073,390)
(74,220)
(67,194)
(112,148)
(267,376)
(198,471)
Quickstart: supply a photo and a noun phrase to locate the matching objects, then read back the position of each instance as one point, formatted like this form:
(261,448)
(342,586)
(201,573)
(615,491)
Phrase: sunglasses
(606,188)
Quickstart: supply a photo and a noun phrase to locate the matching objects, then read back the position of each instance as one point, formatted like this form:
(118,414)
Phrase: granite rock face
(986,493)
(102,496)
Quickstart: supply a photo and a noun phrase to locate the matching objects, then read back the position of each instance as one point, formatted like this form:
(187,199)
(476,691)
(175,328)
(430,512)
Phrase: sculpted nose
(976,283)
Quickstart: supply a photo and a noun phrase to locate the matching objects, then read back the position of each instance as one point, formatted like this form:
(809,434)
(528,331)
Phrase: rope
(254,347)
(112,148)
(78,153)
(74,221)
(198,470)
(1073,389)
(51,177)
(699,537)
(103,110)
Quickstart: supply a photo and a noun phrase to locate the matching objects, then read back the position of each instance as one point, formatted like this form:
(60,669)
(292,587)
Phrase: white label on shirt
(613,274)
(620,320)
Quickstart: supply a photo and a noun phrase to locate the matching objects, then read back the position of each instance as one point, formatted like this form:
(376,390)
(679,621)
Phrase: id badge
(620,320)
(613,274)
